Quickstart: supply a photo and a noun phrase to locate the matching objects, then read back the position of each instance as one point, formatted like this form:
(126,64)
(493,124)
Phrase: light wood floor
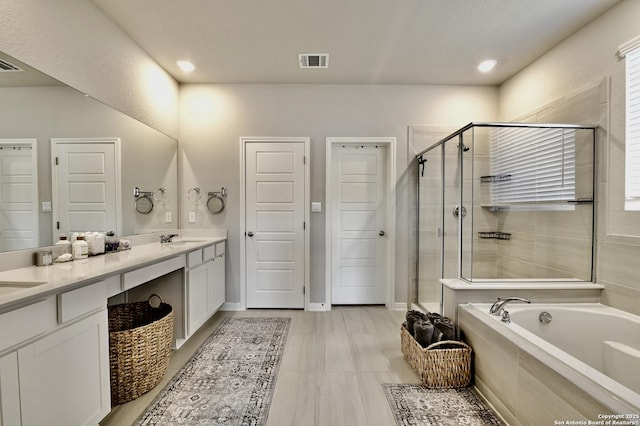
(332,368)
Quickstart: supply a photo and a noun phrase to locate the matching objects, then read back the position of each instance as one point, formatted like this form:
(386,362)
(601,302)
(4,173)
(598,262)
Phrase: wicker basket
(438,368)
(140,342)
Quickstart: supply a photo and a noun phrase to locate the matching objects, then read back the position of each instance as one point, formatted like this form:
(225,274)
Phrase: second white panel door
(359,218)
(275,196)
(86,186)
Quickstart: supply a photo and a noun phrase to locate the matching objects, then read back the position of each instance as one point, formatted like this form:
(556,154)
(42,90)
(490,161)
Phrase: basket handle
(152,304)
(448,342)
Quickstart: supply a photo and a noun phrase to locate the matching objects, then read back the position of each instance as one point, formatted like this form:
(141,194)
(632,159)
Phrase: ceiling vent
(7,67)
(313,60)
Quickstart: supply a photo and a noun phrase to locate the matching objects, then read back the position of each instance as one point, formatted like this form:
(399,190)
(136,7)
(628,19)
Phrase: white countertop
(62,276)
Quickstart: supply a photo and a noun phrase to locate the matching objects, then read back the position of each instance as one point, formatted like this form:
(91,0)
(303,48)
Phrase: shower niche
(503,202)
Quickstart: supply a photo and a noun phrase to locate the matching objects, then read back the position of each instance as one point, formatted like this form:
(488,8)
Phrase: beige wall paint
(214,117)
(583,59)
(72,41)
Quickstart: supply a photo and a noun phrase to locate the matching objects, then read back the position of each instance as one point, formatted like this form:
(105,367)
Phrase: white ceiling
(369,41)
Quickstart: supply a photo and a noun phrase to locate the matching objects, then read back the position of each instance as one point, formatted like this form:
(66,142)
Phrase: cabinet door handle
(250,234)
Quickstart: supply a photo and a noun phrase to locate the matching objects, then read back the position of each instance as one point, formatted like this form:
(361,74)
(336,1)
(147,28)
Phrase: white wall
(72,41)
(214,117)
(148,157)
(584,59)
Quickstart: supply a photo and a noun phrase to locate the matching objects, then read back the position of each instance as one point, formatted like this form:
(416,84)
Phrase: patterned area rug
(417,405)
(229,380)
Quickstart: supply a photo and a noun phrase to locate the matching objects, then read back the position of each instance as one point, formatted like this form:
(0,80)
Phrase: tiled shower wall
(554,244)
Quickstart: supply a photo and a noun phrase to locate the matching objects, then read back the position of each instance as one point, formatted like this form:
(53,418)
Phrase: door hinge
(304,159)
(304,225)
(57,161)
(58,225)
(304,290)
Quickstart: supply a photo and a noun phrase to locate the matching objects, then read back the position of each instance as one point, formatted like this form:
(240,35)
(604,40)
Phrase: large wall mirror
(37,113)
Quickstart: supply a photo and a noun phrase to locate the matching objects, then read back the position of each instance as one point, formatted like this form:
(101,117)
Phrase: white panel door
(359,218)
(275,196)
(86,187)
(18,194)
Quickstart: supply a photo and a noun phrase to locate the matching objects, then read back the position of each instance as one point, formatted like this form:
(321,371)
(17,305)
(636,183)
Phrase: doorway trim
(244,140)
(390,143)
(54,176)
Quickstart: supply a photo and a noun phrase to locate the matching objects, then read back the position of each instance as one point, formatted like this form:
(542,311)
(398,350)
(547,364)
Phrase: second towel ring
(215,202)
(143,201)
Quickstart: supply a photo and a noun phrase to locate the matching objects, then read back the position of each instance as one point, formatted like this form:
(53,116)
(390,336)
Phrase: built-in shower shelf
(495,178)
(496,235)
(495,207)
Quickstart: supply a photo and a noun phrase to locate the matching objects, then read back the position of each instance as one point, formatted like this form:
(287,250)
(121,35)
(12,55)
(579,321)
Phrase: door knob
(250,234)
(381,233)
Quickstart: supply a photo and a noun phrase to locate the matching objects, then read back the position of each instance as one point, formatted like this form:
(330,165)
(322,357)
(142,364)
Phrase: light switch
(46,206)
(316,206)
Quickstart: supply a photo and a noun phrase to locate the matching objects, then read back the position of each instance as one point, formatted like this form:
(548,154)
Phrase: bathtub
(583,364)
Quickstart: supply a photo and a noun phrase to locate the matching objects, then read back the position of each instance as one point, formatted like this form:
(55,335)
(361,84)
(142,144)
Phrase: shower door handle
(381,233)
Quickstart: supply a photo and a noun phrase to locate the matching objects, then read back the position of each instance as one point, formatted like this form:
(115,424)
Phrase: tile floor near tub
(331,372)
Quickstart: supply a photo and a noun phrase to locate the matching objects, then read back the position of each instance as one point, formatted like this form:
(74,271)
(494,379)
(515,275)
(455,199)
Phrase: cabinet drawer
(24,323)
(194,258)
(220,248)
(209,252)
(75,303)
(146,274)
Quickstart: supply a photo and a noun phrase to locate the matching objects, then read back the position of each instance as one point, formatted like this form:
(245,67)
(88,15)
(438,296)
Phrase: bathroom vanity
(54,342)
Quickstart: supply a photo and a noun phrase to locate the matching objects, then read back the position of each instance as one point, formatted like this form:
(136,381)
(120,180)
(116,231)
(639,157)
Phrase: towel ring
(194,194)
(160,195)
(215,202)
(144,204)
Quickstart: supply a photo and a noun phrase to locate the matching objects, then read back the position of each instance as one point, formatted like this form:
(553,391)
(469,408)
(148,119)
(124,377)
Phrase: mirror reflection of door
(86,184)
(18,194)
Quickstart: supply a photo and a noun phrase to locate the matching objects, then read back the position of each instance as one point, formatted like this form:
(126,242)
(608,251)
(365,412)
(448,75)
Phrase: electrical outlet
(192,217)
(168,217)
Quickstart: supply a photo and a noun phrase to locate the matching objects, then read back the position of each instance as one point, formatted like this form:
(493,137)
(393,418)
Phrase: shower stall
(502,202)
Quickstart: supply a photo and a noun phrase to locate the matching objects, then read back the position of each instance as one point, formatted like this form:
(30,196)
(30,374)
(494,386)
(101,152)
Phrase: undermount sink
(181,241)
(11,286)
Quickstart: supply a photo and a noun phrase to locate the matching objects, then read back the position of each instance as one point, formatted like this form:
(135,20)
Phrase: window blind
(632,143)
(532,165)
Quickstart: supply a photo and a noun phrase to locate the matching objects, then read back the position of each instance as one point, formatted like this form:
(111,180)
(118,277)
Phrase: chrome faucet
(498,306)
(167,238)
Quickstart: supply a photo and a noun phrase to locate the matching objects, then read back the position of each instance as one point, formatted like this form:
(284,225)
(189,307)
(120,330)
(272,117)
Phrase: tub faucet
(167,238)
(498,306)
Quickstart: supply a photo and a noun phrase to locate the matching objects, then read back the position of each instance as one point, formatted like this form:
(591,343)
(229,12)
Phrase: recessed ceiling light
(486,66)
(186,66)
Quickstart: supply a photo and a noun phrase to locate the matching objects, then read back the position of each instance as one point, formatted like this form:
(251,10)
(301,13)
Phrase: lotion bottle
(80,248)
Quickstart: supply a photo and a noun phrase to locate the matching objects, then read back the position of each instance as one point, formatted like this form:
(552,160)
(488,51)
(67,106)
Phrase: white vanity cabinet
(9,390)
(64,377)
(217,278)
(55,365)
(205,284)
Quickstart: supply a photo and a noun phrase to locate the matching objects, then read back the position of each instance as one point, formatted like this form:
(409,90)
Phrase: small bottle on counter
(66,244)
(80,248)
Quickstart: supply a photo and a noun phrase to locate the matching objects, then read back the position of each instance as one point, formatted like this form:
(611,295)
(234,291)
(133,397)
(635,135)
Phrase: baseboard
(400,306)
(228,306)
(318,307)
